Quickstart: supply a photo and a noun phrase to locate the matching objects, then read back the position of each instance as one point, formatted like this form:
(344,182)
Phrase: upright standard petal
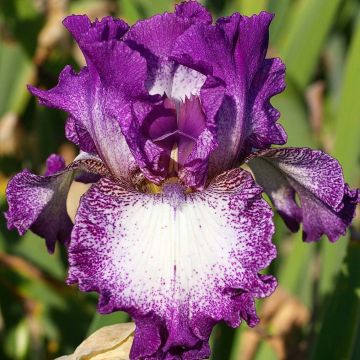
(327,205)
(95,103)
(39,202)
(87,96)
(154,38)
(178,262)
(86,32)
(234,50)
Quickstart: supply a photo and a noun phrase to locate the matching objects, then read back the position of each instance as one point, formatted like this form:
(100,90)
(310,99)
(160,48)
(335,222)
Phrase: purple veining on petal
(54,164)
(78,135)
(39,202)
(234,51)
(176,262)
(95,98)
(327,206)
(154,38)
(86,32)
(265,131)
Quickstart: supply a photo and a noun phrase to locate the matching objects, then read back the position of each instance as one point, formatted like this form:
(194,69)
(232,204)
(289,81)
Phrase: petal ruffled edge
(246,118)
(39,202)
(121,256)
(327,205)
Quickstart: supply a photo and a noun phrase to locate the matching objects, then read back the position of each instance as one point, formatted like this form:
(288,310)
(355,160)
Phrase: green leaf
(265,352)
(281,10)
(222,342)
(304,38)
(294,117)
(250,7)
(347,133)
(295,274)
(132,10)
(340,325)
(17,342)
(32,248)
(346,149)
(16,70)
(245,7)
(237,344)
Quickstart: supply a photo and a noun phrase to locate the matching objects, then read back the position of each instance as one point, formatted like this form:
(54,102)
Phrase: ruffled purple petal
(269,81)
(194,11)
(39,202)
(154,38)
(234,51)
(178,263)
(94,104)
(78,135)
(108,85)
(327,205)
(86,32)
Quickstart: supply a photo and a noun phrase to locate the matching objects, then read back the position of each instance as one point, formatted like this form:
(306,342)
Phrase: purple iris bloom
(172,230)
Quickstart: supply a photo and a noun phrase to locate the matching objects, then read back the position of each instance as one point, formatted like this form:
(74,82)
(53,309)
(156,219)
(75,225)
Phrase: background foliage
(315,313)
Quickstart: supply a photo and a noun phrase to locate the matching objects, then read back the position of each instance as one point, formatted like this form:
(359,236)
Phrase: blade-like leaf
(304,39)
(16,70)
(347,143)
(340,325)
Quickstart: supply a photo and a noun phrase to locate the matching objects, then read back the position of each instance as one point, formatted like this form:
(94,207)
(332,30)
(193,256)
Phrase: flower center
(175,126)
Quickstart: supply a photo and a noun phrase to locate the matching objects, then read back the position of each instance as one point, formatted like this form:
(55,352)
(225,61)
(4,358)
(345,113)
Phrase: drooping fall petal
(177,262)
(327,205)
(39,202)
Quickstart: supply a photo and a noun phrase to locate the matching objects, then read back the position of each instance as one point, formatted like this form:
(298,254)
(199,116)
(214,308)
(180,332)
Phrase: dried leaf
(281,315)
(9,134)
(315,100)
(108,343)
(53,32)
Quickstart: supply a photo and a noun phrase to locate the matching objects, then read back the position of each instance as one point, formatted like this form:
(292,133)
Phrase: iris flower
(173,230)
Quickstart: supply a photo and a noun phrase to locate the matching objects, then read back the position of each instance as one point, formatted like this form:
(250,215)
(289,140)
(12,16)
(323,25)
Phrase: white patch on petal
(186,82)
(161,82)
(178,255)
(176,81)
(182,247)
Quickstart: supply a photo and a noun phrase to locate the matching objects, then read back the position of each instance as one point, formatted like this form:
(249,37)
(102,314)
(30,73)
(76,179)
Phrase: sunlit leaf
(304,39)
(340,324)
(16,70)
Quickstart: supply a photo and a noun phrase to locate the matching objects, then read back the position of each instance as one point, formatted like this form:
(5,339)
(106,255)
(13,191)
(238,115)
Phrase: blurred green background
(315,313)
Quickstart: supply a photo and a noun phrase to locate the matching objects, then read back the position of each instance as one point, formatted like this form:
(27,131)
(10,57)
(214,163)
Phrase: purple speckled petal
(86,32)
(77,134)
(54,164)
(92,96)
(269,81)
(234,50)
(176,262)
(154,38)
(39,202)
(95,105)
(327,205)
(73,94)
